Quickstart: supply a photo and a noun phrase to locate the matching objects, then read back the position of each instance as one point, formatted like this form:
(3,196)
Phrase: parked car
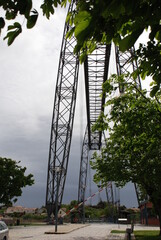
(4,232)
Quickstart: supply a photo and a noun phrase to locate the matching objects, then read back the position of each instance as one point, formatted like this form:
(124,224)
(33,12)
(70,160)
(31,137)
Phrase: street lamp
(57,170)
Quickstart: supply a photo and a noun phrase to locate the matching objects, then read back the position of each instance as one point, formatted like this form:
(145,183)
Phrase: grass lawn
(142,235)
(147,235)
(118,231)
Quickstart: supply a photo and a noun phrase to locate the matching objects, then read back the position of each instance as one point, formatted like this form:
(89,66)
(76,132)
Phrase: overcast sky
(28,70)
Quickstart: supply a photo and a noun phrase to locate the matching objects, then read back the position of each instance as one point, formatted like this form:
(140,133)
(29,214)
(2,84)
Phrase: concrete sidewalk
(86,231)
(64,229)
(65,232)
(67,228)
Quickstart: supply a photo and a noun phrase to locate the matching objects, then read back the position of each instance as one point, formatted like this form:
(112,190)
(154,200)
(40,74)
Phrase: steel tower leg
(83,175)
(109,187)
(83,168)
(109,193)
(125,64)
(62,121)
(109,190)
(110,200)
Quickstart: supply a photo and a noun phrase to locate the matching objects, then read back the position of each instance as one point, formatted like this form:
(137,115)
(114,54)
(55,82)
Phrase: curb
(66,230)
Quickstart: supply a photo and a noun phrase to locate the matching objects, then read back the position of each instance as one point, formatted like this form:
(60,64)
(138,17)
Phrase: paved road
(87,232)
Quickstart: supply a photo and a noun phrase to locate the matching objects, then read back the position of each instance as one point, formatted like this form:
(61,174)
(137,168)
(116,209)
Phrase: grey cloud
(28,77)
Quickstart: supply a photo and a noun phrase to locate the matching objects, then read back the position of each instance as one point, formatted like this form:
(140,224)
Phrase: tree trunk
(157,207)
(159,214)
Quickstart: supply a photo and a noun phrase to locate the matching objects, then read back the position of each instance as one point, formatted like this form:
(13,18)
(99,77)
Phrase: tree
(133,149)
(18,9)
(12,180)
(101,21)
(123,22)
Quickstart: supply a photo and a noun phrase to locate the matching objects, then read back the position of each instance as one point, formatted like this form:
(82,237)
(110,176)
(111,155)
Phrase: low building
(16,209)
(131,214)
(61,212)
(148,216)
(41,210)
(20,210)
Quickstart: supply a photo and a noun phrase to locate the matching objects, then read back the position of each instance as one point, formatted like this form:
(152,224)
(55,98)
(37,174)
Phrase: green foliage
(93,213)
(12,179)
(82,22)
(101,204)
(47,8)
(14,9)
(111,211)
(2,23)
(101,22)
(73,203)
(30,216)
(96,212)
(121,22)
(133,149)
(11,35)
(31,21)
(102,209)
(2,210)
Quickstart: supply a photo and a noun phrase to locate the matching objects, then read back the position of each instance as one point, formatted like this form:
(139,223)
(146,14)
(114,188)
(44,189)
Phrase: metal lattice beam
(96,71)
(62,121)
(83,168)
(125,64)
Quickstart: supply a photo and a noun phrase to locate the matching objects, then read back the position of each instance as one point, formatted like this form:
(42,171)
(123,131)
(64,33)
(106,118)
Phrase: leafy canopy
(13,10)
(123,22)
(133,149)
(120,21)
(12,180)
(100,21)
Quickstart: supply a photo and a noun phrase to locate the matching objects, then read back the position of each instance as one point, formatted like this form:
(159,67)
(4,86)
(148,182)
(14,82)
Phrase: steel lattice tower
(96,72)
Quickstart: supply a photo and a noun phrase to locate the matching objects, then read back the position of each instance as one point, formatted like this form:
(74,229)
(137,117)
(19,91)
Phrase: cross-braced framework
(84,163)
(62,121)
(96,72)
(109,193)
(125,64)
(83,168)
